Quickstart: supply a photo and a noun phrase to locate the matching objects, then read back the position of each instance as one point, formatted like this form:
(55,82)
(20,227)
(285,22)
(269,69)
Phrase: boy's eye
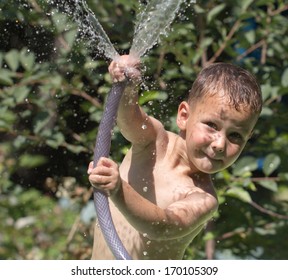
(235,136)
(212,125)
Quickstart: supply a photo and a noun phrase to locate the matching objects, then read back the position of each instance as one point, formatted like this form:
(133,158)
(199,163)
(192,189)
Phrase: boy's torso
(151,173)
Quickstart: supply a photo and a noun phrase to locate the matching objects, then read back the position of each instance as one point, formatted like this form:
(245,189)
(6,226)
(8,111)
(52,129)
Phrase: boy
(162,194)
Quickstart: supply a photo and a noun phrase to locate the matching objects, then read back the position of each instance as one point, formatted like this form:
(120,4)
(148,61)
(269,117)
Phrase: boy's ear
(182,115)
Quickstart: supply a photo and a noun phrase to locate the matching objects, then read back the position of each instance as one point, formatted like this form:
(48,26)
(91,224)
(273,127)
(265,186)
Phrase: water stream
(152,22)
(86,20)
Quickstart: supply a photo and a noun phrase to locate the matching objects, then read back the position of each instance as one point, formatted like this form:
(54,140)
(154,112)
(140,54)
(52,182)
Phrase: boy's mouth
(214,157)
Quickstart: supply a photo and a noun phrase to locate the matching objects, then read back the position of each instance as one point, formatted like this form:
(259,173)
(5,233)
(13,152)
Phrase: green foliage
(52,90)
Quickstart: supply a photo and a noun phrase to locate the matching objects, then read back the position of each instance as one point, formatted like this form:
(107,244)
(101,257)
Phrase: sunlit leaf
(215,11)
(12,59)
(264,231)
(6,77)
(152,95)
(21,94)
(40,122)
(240,194)
(284,78)
(31,161)
(283,176)
(19,141)
(70,36)
(245,164)
(271,163)
(266,111)
(27,59)
(269,184)
(245,4)
(56,140)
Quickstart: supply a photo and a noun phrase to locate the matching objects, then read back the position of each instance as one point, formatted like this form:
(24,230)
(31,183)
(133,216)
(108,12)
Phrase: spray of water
(87,22)
(152,22)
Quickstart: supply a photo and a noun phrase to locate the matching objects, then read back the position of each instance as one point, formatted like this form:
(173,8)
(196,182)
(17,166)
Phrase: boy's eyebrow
(243,128)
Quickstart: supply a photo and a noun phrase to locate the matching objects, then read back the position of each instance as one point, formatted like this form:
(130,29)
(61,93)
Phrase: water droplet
(145,189)
(26,100)
(144,126)
(145,253)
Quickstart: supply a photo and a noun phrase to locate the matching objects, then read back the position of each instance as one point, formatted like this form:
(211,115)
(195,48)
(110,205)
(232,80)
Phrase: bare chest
(155,180)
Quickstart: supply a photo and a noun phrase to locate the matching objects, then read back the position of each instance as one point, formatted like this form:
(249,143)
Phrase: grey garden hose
(102,149)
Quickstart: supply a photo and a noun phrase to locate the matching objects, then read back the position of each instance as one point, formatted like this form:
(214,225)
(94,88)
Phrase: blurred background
(53,84)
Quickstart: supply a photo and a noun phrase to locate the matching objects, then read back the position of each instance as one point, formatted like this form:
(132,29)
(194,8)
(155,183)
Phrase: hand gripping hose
(102,149)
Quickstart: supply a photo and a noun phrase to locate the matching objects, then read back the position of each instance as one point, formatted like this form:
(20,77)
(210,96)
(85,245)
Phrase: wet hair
(234,82)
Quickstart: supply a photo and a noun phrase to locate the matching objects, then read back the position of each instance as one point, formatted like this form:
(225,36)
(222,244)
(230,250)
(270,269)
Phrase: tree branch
(268,212)
(233,30)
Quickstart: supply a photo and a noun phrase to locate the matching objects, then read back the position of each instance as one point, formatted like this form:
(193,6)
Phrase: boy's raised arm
(135,125)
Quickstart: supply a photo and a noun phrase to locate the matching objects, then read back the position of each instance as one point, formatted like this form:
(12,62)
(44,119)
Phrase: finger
(90,167)
(107,162)
(99,181)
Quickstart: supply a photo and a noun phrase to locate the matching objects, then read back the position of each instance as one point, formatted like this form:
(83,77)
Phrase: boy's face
(216,132)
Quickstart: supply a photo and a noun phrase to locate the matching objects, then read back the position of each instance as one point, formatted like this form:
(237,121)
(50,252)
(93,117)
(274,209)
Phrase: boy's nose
(218,144)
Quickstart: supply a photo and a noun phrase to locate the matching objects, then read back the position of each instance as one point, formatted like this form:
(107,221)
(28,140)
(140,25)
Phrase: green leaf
(21,94)
(19,141)
(266,112)
(12,59)
(56,140)
(152,95)
(271,163)
(250,36)
(5,77)
(198,9)
(31,161)
(264,231)
(245,4)
(76,149)
(283,176)
(244,165)
(70,36)
(284,78)
(41,121)
(206,42)
(269,184)
(214,12)
(27,59)
(240,194)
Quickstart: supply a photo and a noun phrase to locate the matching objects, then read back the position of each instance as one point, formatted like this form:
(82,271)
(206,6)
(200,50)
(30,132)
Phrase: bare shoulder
(155,135)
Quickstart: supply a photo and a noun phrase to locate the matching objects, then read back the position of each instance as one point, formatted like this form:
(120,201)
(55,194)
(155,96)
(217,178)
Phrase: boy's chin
(210,168)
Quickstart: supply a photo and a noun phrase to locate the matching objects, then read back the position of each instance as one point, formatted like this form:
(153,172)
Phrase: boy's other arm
(176,220)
